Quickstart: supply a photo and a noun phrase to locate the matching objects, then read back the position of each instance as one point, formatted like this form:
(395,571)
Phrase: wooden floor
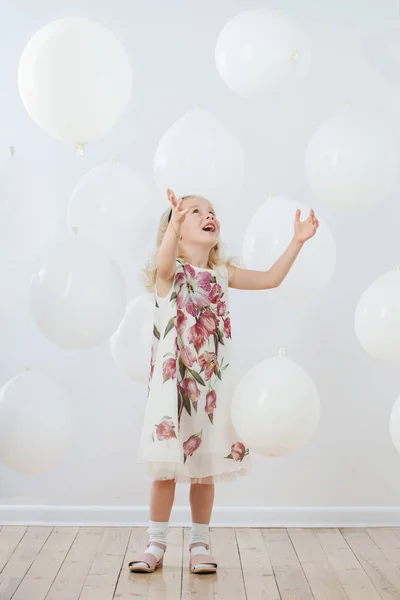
(90,563)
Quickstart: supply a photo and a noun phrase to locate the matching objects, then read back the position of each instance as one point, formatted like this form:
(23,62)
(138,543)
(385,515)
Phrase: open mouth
(210,227)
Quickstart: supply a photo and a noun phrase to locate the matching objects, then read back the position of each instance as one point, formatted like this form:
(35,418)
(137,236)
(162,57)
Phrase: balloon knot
(294,55)
(75,229)
(12,150)
(80,149)
(281,352)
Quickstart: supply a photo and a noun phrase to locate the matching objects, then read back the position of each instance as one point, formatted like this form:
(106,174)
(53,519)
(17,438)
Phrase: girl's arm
(246,279)
(168,250)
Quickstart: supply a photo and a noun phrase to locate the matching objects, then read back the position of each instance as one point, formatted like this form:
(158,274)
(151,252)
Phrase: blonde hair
(215,257)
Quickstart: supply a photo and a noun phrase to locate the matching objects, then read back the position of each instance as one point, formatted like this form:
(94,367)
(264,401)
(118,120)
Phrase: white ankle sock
(157,533)
(199,533)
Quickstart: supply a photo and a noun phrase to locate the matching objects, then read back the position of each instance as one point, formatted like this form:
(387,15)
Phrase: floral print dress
(187,433)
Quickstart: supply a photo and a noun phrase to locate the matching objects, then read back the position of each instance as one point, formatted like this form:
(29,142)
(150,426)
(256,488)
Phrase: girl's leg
(161,501)
(201,503)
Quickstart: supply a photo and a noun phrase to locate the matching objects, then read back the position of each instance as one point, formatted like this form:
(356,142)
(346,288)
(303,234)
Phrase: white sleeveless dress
(187,433)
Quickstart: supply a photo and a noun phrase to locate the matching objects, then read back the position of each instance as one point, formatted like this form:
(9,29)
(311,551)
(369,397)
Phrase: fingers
(171,197)
(297,216)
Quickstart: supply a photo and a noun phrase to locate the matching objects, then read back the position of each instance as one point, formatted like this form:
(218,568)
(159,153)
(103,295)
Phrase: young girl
(187,434)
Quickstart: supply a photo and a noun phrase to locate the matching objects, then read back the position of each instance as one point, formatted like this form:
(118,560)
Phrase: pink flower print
(152,363)
(227,328)
(211,404)
(211,401)
(166,429)
(209,321)
(197,335)
(238,452)
(169,369)
(216,293)
(188,358)
(194,289)
(191,445)
(221,309)
(180,321)
(191,389)
(208,361)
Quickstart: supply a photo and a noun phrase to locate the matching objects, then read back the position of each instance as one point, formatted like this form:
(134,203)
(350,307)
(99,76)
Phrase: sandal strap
(158,544)
(149,559)
(198,544)
(204,559)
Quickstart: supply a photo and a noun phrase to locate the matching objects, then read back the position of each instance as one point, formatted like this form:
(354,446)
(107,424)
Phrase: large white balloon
(131,343)
(28,211)
(75,79)
(198,155)
(377,318)
(268,235)
(352,160)
(78,297)
(276,407)
(394,424)
(36,423)
(261,51)
(113,206)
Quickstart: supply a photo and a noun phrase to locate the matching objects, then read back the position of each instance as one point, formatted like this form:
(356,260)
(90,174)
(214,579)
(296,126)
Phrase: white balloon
(268,235)
(394,424)
(75,79)
(198,155)
(78,297)
(260,51)
(113,206)
(36,423)
(28,212)
(352,161)
(377,318)
(131,343)
(276,407)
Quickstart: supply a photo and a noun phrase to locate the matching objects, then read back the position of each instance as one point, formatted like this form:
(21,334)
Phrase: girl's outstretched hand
(178,213)
(304,230)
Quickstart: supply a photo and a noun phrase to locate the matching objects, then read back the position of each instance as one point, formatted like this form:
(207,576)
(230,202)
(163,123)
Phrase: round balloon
(352,161)
(78,297)
(113,206)
(276,407)
(75,79)
(261,51)
(394,424)
(28,211)
(131,343)
(198,155)
(36,423)
(377,318)
(268,235)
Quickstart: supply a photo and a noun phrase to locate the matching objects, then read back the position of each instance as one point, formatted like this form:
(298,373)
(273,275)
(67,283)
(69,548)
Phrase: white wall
(350,462)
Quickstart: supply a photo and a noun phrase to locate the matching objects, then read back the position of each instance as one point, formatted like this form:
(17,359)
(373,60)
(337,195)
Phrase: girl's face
(201,226)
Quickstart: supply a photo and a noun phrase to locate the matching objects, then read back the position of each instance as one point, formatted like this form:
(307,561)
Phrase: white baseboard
(229,516)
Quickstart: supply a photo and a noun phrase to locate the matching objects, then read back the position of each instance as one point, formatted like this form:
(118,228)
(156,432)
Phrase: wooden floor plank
(229,583)
(106,567)
(350,573)
(379,570)
(71,578)
(166,583)
(195,587)
(133,586)
(21,560)
(10,537)
(257,570)
(43,571)
(290,577)
(388,543)
(320,574)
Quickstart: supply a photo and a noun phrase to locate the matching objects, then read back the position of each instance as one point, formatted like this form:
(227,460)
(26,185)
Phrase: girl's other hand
(304,230)
(178,213)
